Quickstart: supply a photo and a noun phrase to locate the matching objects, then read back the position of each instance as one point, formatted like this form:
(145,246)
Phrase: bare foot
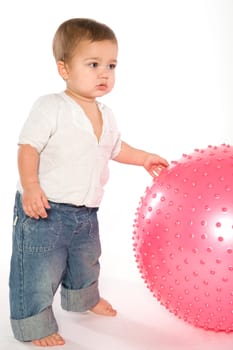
(50,340)
(103,308)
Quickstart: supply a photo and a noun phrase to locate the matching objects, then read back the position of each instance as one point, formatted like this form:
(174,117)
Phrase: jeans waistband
(71,206)
(62,205)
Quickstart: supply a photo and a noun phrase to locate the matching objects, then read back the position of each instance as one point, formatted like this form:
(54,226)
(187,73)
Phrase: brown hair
(72,31)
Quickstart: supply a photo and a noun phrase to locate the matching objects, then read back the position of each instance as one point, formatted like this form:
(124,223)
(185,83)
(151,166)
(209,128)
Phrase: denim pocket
(42,235)
(15,216)
(15,220)
(94,225)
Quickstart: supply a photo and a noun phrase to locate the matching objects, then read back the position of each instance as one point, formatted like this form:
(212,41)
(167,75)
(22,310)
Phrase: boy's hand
(154,164)
(35,202)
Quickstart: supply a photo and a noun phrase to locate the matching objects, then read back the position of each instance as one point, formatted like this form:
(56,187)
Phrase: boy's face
(91,71)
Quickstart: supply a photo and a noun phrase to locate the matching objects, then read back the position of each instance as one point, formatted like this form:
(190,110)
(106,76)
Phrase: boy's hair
(74,30)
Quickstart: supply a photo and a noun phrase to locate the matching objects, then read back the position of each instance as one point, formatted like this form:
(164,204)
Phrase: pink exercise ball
(183,238)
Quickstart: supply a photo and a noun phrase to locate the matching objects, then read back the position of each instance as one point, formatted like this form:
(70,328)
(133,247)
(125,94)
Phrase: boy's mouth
(102,87)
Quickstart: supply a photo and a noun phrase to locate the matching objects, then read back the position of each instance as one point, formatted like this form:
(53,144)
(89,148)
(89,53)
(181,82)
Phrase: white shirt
(73,165)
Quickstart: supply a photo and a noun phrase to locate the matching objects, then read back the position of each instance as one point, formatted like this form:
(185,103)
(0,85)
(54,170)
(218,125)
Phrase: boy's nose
(103,71)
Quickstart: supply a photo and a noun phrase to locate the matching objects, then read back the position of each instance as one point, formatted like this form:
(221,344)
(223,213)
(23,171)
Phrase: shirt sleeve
(39,126)
(117,147)
(117,135)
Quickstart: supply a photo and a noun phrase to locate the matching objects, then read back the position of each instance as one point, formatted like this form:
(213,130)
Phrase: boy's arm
(151,162)
(34,200)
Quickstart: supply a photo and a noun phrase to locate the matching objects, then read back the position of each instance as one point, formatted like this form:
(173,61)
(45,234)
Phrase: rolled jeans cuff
(35,327)
(80,300)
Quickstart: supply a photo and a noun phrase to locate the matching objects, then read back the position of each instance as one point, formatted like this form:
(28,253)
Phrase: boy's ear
(62,70)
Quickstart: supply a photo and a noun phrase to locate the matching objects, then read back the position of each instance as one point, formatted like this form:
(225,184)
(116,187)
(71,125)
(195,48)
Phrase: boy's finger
(45,202)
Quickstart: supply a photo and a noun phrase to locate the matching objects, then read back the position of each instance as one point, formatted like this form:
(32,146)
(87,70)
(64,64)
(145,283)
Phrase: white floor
(141,324)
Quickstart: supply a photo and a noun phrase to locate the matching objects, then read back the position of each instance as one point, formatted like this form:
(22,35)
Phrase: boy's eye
(111,66)
(93,65)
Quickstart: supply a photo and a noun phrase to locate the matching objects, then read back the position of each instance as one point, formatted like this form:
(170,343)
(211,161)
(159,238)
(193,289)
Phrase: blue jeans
(63,249)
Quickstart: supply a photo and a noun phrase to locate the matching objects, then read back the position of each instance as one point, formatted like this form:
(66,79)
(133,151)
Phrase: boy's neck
(78,98)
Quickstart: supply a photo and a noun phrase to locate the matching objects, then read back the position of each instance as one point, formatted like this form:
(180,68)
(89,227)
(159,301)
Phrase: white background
(173,93)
